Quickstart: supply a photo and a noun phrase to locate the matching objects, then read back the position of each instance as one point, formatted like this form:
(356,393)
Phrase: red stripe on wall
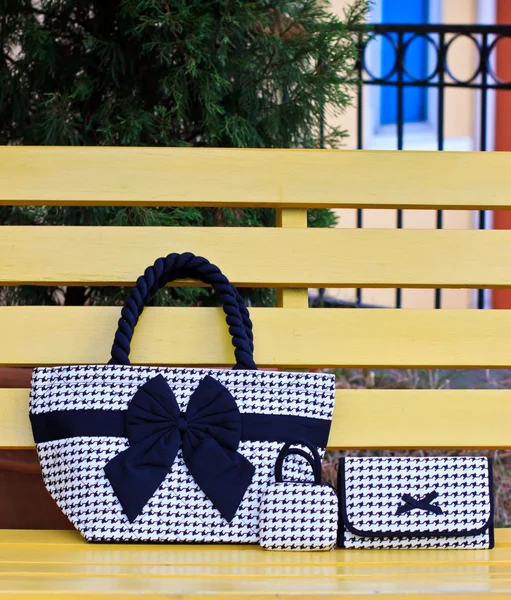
(502,218)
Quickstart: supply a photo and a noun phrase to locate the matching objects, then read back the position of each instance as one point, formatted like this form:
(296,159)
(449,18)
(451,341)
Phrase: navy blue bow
(209,433)
(425,504)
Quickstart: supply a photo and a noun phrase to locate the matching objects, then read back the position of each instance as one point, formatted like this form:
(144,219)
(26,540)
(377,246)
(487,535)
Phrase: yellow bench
(290,257)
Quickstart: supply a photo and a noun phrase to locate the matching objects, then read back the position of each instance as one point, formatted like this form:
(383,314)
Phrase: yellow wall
(460,103)
(459,123)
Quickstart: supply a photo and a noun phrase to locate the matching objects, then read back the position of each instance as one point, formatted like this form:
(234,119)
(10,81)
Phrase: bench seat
(44,565)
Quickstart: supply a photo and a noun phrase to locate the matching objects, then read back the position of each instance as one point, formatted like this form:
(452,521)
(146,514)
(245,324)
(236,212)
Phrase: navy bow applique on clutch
(209,434)
(411,503)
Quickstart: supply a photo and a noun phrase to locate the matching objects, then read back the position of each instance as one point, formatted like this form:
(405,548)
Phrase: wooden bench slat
(363,419)
(263,257)
(240,572)
(481,581)
(275,178)
(285,337)
(30,545)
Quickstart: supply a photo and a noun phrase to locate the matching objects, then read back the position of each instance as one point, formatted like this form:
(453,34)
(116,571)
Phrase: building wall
(460,133)
(459,104)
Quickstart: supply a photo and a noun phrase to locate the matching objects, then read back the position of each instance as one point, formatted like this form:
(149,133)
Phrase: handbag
(298,515)
(415,502)
(136,453)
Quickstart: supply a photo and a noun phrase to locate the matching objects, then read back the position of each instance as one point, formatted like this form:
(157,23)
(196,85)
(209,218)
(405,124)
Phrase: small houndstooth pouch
(298,515)
(415,502)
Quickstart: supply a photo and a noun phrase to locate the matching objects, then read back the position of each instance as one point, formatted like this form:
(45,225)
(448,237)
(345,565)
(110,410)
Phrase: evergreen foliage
(228,73)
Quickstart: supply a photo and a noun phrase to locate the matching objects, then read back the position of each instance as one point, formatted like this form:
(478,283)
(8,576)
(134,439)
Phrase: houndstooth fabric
(298,516)
(372,490)
(179,511)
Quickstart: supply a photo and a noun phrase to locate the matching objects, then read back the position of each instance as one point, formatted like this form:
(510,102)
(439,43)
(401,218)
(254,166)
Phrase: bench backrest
(289,257)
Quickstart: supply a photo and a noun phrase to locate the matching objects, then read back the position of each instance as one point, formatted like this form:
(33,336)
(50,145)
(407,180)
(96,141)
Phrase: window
(415,99)
(420,104)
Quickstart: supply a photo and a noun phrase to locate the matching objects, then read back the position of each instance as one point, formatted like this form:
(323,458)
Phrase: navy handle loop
(313,459)
(185,266)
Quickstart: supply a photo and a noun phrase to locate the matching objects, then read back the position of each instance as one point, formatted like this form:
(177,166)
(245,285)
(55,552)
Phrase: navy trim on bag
(344,521)
(62,424)
(340,520)
(491,523)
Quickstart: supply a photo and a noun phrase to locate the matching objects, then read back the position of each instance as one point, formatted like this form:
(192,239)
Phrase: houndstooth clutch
(415,502)
(134,453)
(298,515)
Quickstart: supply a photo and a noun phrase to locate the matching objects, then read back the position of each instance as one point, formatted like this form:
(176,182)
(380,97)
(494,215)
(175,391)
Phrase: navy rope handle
(185,266)
(314,460)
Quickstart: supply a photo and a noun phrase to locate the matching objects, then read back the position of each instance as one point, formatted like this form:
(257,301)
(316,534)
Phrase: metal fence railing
(392,48)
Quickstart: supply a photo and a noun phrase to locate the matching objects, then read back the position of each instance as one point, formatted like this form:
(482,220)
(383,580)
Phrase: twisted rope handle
(185,266)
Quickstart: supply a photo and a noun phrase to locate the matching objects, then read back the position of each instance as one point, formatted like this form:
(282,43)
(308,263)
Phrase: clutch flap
(416,496)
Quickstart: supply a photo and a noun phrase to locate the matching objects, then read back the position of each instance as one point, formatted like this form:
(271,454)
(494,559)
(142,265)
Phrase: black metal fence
(438,76)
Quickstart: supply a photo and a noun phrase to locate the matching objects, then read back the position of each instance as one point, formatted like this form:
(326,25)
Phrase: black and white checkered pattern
(371,493)
(298,516)
(179,511)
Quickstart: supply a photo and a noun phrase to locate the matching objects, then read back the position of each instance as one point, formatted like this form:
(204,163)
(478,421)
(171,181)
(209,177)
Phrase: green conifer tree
(228,73)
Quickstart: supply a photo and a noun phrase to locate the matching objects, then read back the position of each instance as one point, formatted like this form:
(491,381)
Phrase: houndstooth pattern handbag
(298,515)
(416,502)
(132,453)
